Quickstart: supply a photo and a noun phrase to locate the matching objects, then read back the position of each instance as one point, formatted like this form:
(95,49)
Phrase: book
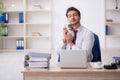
(36,68)
(36,55)
(36,59)
(19,44)
(22,44)
(116,59)
(6,17)
(37,63)
(106,29)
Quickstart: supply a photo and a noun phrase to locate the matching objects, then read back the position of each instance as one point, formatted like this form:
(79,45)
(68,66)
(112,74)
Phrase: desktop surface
(56,73)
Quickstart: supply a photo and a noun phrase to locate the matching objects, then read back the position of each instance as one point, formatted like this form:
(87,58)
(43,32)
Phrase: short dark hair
(73,9)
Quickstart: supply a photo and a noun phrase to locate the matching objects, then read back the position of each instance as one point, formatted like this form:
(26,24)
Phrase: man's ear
(80,17)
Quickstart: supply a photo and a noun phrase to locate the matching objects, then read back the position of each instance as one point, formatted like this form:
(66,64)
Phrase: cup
(96,65)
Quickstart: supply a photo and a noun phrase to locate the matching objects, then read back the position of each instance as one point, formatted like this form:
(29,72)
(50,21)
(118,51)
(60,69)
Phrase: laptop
(73,59)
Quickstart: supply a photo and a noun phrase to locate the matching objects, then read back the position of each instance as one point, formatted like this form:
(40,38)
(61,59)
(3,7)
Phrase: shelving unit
(112,20)
(37,20)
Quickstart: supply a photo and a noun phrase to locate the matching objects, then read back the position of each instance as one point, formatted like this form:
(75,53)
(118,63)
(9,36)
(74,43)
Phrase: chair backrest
(96,49)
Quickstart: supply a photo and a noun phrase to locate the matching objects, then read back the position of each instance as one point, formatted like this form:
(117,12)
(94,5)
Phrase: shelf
(25,50)
(113,48)
(113,10)
(37,36)
(112,22)
(113,36)
(16,5)
(6,37)
(40,50)
(10,50)
(42,23)
(36,17)
(38,10)
(14,24)
(14,11)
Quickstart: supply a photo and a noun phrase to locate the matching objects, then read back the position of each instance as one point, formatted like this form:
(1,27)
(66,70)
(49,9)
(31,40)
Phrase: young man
(83,38)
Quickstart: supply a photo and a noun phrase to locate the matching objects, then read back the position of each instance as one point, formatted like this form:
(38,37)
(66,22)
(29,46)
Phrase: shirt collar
(80,28)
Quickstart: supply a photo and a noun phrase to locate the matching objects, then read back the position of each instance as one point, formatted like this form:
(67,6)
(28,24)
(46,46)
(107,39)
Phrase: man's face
(73,17)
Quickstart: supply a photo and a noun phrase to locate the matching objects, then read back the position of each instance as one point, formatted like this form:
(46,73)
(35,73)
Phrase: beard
(74,24)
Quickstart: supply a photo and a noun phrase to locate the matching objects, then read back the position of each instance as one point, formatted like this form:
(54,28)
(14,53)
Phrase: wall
(92,14)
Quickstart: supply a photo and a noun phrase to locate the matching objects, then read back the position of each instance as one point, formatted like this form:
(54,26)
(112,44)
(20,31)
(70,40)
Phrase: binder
(106,29)
(19,44)
(1,18)
(22,44)
(6,17)
(40,55)
(21,17)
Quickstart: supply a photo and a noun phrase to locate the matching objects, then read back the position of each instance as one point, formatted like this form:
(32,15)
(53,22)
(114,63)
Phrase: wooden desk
(55,73)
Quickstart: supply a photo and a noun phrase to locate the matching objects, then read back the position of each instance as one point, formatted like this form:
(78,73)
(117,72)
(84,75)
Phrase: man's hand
(69,39)
(65,31)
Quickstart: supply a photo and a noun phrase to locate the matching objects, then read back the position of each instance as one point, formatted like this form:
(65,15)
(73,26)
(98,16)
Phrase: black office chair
(96,50)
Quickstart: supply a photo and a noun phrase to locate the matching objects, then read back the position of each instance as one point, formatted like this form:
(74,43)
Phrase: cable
(116,4)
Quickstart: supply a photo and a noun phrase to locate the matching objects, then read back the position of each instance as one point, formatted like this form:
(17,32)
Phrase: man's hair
(73,9)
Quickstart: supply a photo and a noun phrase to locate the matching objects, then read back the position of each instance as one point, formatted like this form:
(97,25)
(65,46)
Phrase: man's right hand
(65,31)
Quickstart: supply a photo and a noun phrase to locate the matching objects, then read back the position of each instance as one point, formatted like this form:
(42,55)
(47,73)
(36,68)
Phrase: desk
(55,73)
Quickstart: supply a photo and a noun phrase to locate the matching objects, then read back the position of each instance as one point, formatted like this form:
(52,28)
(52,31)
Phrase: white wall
(92,17)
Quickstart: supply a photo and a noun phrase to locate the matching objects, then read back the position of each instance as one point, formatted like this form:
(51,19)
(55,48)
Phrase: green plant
(2,7)
(2,29)
(2,25)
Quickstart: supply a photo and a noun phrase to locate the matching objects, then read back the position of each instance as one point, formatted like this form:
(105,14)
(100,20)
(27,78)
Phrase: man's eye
(75,14)
(69,16)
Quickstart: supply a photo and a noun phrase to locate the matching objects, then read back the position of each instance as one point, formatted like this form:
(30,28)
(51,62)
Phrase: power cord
(116,4)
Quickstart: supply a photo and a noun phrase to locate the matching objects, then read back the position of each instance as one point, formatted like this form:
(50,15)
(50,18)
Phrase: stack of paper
(116,59)
(35,60)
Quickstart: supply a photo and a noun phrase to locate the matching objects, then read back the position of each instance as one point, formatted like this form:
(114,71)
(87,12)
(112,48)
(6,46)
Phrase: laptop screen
(73,59)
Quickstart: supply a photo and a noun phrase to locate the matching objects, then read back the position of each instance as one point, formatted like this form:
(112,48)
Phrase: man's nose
(72,17)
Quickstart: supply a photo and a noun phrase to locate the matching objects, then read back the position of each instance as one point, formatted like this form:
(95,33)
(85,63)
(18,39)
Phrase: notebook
(73,59)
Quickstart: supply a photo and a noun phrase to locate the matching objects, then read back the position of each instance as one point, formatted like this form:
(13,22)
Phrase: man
(83,38)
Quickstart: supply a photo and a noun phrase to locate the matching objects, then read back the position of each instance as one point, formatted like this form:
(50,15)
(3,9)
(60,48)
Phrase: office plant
(2,25)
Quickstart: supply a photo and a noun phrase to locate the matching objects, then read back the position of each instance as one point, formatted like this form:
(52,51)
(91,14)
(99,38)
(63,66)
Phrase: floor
(11,65)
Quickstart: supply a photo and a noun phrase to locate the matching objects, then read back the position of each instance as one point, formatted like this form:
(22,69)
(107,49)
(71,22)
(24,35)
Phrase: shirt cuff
(74,47)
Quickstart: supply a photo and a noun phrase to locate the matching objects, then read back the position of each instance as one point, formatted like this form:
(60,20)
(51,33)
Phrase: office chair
(96,50)
(59,58)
